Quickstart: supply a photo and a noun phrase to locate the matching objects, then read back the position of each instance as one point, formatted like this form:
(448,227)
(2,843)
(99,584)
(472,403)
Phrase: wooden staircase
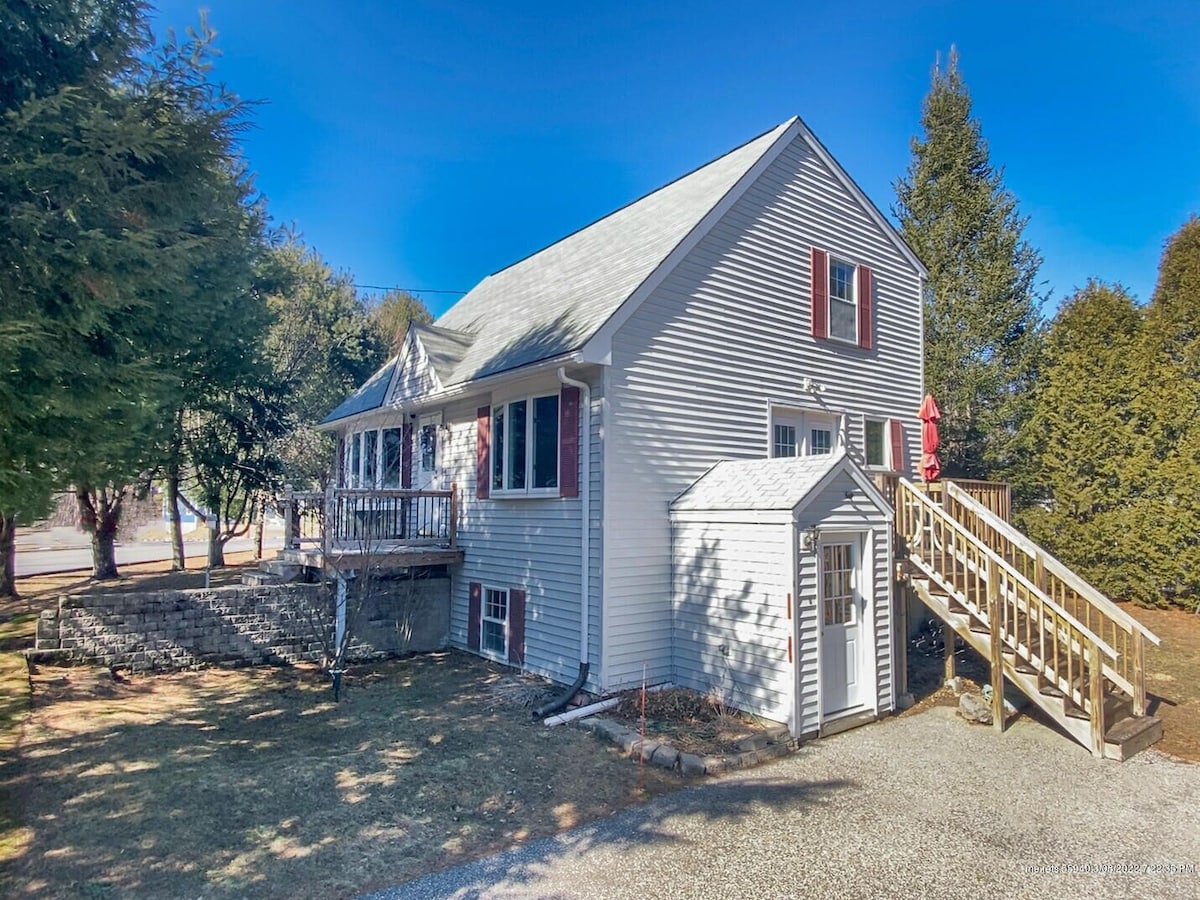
(1073,652)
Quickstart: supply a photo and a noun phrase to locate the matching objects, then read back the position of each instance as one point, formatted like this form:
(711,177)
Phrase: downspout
(585,544)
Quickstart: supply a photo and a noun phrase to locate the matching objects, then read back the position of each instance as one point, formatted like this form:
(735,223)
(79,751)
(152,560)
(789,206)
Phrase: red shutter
(406,455)
(898,462)
(474,615)
(516,628)
(483,440)
(866,308)
(820,293)
(568,442)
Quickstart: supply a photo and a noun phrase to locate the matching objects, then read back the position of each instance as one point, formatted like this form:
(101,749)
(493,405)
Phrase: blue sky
(425,145)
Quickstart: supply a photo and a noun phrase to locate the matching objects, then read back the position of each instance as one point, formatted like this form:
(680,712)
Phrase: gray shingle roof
(780,483)
(370,396)
(445,348)
(550,303)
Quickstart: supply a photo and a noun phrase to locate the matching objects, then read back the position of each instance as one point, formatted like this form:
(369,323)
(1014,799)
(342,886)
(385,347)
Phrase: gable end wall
(696,366)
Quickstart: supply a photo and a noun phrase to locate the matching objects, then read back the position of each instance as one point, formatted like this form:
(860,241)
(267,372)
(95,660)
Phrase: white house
(759,306)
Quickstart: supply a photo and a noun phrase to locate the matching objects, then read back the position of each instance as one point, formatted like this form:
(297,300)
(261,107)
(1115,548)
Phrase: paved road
(34,558)
(925,806)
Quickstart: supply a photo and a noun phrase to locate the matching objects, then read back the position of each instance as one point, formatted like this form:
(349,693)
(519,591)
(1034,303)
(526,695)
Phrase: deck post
(1139,673)
(996,657)
(453,526)
(948,637)
(901,593)
(1096,697)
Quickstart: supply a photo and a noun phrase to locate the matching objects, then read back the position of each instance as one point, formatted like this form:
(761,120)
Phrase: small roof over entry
(781,484)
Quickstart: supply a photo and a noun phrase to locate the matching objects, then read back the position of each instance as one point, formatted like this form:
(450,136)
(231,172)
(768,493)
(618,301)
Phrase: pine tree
(982,319)
(1083,430)
(1163,514)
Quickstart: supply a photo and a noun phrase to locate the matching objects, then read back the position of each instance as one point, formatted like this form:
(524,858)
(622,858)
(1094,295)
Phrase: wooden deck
(1076,654)
(352,528)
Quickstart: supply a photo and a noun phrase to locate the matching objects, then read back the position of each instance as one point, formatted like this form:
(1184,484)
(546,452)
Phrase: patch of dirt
(1173,678)
(687,720)
(249,782)
(927,679)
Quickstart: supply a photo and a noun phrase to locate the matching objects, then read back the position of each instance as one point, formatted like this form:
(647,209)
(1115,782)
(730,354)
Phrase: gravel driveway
(924,806)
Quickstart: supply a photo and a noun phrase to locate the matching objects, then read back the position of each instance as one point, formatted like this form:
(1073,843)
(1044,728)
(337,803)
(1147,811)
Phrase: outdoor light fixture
(809,538)
(811,387)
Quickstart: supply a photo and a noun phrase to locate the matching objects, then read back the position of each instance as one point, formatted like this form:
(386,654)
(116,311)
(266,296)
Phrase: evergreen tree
(982,320)
(122,201)
(322,344)
(393,314)
(1163,515)
(1082,433)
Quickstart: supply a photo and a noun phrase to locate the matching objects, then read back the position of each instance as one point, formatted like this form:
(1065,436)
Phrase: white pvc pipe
(581,712)
(585,508)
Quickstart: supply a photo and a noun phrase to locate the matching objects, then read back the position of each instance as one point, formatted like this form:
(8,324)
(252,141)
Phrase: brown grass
(254,782)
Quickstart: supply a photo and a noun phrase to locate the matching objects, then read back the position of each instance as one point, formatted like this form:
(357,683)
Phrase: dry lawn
(255,783)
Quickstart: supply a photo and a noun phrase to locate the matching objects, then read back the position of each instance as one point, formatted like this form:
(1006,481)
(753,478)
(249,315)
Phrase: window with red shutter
(474,615)
(899,463)
(568,442)
(820,293)
(866,303)
(483,468)
(516,627)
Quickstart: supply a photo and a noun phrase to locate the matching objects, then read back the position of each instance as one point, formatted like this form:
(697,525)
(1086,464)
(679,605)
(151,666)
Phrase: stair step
(260,579)
(287,571)
(1130,736)
(1075,712)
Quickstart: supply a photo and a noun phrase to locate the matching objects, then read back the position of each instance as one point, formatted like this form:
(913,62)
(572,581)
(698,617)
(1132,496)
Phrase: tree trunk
(260,525)
(178,562)
(100,516)
(8,556)
(216,548)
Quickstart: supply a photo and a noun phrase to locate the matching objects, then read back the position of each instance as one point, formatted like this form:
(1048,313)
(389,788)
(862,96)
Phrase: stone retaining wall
(241,626)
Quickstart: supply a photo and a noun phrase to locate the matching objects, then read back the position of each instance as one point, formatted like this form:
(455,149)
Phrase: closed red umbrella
(931,468)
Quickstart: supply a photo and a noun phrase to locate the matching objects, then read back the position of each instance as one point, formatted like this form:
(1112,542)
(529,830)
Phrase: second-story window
(843,301)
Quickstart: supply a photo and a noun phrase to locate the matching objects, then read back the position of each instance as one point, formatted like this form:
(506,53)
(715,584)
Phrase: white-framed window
(802,432)
(784,440)
(374,458)
(391,457)
(493,625)
(427,440)
(843,300)
(524,451)
(875,443)
(838,575)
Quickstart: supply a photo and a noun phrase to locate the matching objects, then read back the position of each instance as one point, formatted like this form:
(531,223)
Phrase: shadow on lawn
(253,782)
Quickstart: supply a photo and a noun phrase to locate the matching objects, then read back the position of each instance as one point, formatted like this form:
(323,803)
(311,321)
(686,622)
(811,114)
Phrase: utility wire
(380,287)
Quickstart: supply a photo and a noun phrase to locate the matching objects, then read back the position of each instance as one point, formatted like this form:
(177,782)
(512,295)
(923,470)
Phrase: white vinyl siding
(731,591)
(696,369)
(532,545)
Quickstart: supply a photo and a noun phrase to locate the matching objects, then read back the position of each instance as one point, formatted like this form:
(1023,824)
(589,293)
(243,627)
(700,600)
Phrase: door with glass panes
(844,633)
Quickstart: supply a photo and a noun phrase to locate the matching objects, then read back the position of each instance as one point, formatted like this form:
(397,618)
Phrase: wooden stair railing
(1053,578)
(1026,634)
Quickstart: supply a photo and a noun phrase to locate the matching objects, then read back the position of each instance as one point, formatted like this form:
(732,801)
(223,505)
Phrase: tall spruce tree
(122,198)
(982,319)
(1083,430)
(1163,514)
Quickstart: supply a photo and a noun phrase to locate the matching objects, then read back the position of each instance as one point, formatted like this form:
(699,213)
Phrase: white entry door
(844,635)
